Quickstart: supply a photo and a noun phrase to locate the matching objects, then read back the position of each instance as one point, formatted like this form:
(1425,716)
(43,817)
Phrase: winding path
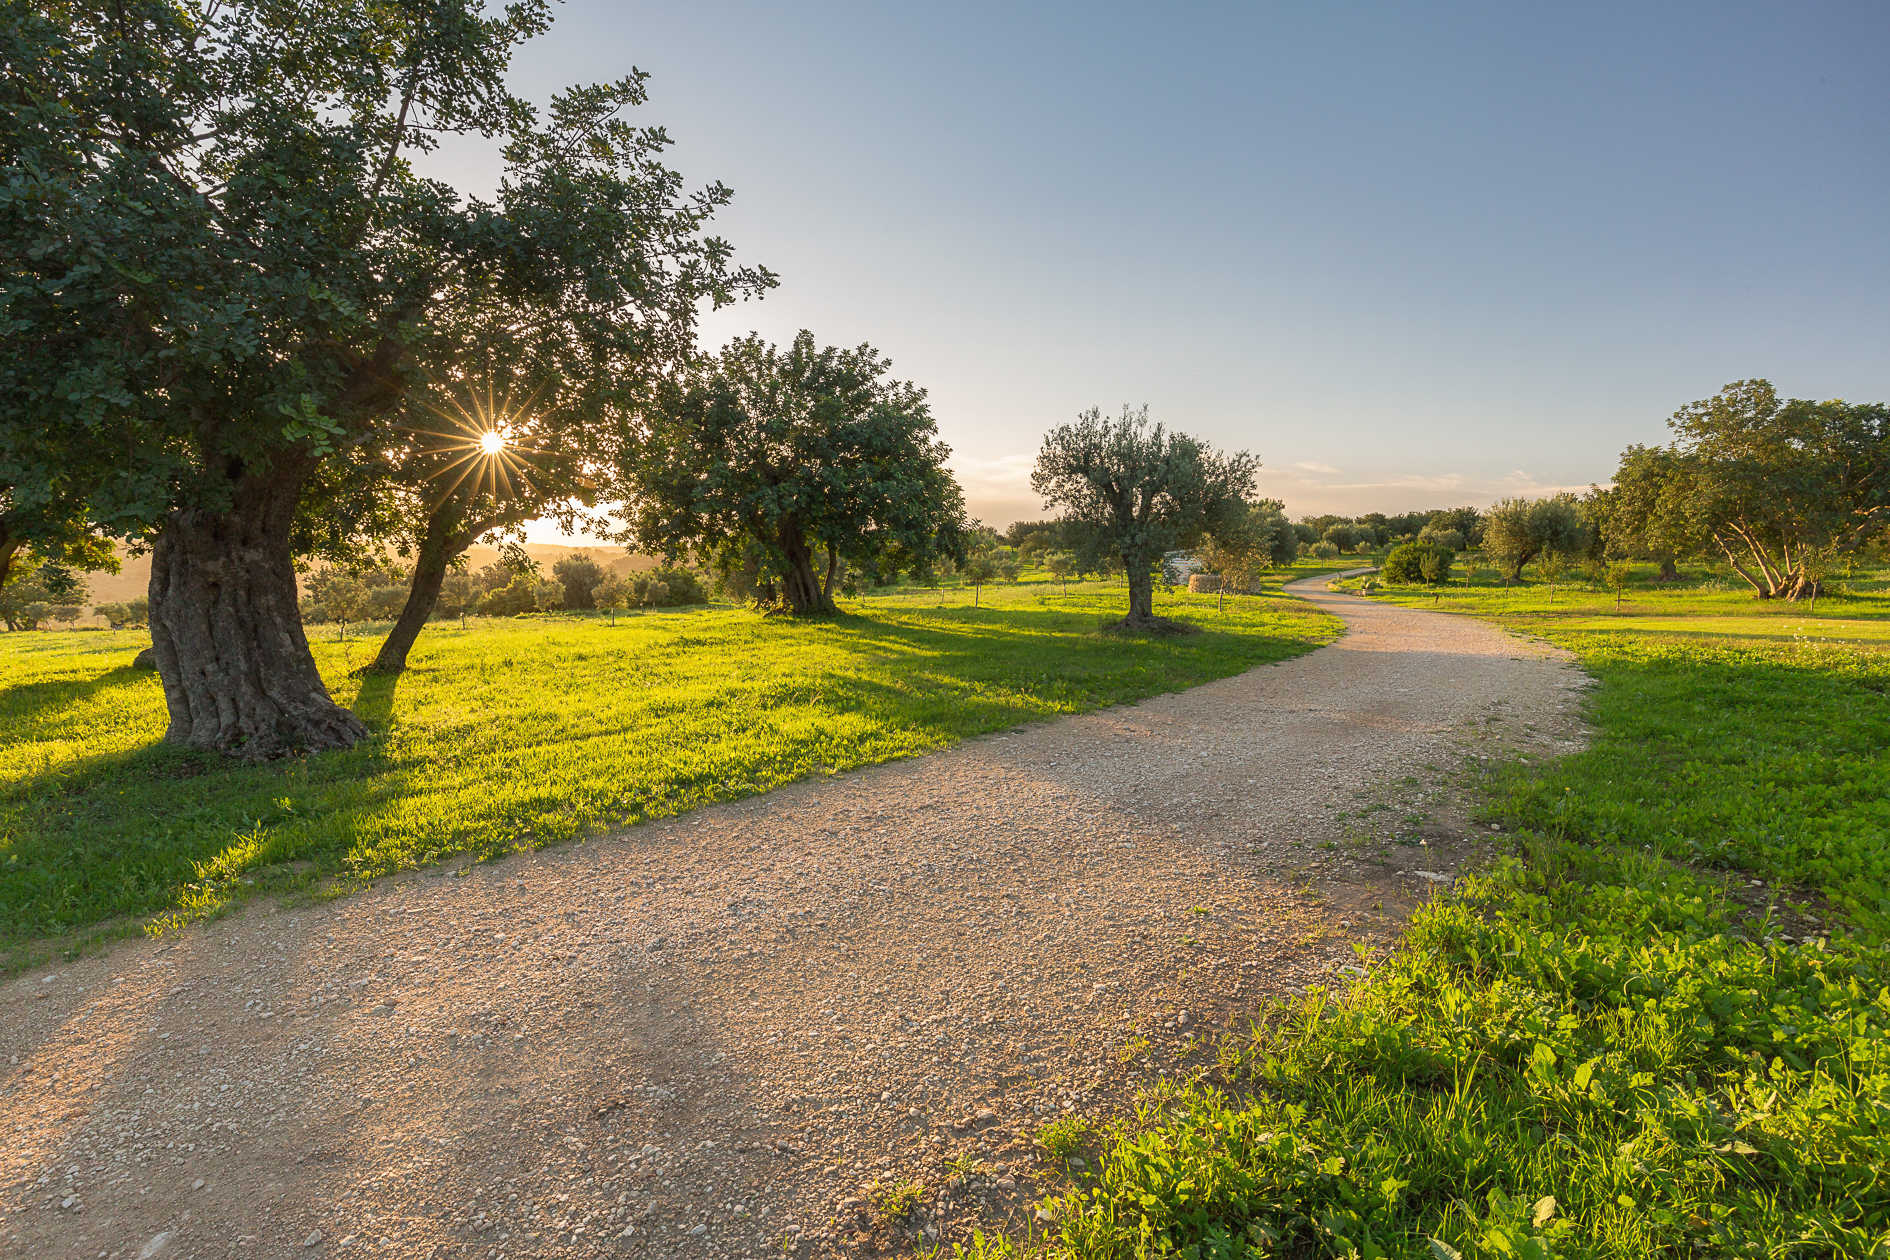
(712,1036)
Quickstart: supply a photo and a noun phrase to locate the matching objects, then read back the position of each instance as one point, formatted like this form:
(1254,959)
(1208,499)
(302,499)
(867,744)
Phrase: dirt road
(735,1032)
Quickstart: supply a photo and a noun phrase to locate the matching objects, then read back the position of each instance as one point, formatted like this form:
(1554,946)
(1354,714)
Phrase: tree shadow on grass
(165,832)
(154,830)
(29,710)
(374,702)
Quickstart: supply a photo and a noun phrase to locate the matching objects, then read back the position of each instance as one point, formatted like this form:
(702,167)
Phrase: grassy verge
(1661,1028)
(513,734)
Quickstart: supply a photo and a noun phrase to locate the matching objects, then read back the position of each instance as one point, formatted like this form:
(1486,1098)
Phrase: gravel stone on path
(727,1034)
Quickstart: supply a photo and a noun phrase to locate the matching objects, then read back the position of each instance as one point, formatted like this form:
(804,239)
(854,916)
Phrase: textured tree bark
(1142,618)
(1798,585)
(9,547)
(1141,597)
(227,633)
(800,585)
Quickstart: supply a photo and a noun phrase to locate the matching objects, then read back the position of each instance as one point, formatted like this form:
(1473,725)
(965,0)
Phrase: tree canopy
(797,459)
(1139,491)
(1775,486)
(237,310)
(1517,531)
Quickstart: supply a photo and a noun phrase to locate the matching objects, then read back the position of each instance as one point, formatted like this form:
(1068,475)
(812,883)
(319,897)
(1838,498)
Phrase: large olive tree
(798,457)
(1138,491)
(235,309)
(1775,486)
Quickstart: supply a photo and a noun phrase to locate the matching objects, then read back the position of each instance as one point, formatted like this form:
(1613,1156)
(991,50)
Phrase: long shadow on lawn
(28,709)
(153,830)
(374,703)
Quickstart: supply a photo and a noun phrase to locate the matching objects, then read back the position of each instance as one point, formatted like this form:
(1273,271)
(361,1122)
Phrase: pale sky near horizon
(1409,255)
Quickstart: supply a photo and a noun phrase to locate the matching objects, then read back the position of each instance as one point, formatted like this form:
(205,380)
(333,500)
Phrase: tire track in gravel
(712,1036)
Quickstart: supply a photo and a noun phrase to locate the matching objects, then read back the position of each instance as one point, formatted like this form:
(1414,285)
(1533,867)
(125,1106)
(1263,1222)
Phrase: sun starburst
(483,451)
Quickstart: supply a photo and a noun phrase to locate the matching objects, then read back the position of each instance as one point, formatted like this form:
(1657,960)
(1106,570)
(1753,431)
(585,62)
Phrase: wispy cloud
(1314,466)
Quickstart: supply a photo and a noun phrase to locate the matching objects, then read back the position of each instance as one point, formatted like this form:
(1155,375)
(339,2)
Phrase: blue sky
(1409,255)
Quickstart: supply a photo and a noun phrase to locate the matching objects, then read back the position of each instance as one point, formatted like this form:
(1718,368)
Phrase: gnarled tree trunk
(1142,618)
(1141,598)
(227,633)
(800,585)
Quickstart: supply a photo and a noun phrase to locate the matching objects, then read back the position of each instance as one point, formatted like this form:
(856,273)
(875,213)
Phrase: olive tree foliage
(1060,565)
(1139,491)
(579,574)
(1519,531)
(46,533)
(40,591)
(796,458)
(1465,522)
(1774,486)
(1646,519)
(237,313)
(1255,539)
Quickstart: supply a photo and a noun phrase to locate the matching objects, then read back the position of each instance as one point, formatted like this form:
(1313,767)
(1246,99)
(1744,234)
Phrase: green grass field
(513,734)
(1615,1042)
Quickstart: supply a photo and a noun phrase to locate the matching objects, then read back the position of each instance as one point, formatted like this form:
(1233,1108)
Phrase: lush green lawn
(513,734)
(1610,1044)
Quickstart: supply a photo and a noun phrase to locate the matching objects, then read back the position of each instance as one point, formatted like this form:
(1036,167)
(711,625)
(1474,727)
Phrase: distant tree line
(512,586)
(248,336)
(1776,489)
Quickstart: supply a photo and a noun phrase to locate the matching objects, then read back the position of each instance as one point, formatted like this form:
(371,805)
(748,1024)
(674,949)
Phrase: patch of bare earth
(716,1036)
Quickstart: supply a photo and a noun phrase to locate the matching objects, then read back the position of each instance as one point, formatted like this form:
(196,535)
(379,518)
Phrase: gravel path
(729,1034)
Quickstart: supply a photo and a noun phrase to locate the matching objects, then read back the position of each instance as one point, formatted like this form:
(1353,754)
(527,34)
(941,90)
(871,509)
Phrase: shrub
(128,615)
(520,595)
(1414,562)
(385,602)
(685,585)
(578,574)
(1323,549)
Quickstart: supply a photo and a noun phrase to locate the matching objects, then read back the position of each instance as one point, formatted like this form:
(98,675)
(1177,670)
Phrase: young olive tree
(1138,492)
(979,567)
(237,309)
(1256,539)
(798,457)
(1059,565)
(612,594)
(1618,575)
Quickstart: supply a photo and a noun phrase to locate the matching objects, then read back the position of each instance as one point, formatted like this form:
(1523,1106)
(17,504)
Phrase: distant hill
(615,559)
